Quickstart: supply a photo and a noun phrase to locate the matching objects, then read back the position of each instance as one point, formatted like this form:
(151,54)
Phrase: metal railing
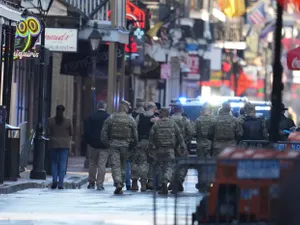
(229,198)
(89,7)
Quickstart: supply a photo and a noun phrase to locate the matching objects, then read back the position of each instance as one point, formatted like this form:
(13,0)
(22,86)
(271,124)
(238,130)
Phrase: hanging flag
(270,27)
(257,15)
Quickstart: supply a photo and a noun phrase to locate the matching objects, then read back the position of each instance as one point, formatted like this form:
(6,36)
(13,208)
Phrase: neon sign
(134,13)
(27,32)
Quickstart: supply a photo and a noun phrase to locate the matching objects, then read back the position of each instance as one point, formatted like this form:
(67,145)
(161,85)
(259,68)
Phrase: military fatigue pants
(140,161)
(165,164)
(182,171)
(204,148)
(220,145)
(118,157)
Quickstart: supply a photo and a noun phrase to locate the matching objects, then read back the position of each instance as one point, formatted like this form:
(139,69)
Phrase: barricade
(259,144)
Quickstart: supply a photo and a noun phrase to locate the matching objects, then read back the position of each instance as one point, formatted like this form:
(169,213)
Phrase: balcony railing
(88,6)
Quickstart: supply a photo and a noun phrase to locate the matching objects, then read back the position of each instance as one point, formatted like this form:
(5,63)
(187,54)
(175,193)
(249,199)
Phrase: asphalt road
(89,207)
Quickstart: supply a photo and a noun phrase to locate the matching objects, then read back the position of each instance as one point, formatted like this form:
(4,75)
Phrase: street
(89,207)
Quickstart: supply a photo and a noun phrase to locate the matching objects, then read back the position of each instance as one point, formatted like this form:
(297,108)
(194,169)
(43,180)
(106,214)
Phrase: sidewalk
(76,177)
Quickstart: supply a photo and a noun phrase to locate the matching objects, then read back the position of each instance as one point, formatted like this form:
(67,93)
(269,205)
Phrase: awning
(10,13)
(109,34)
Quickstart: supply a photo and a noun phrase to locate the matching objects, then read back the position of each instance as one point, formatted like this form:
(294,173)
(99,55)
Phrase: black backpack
(253,129)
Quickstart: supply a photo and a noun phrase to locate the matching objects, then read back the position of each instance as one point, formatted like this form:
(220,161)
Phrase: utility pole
(277,79)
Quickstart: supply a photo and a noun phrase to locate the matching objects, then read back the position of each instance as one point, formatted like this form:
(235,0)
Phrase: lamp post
(95,39)
(38,171)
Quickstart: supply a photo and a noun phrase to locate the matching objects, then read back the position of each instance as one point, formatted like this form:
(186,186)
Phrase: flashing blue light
(182,100)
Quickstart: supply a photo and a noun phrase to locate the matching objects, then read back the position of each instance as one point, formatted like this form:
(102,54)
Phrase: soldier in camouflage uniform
(131,165)
(140,108)
(119,133)
(165,137)
(140,157)
(204,126)
(226,130)
(187,132)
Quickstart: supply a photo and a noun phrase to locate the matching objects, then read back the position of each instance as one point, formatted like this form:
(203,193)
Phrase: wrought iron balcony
(89,7)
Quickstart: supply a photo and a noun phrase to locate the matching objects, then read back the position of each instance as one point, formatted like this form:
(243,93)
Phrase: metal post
(1,44)
(112,63)
(93,88)
(180,83)
(122,80)
(38,171)
(6,65)
(111,77)
(277,79)
(2,142)
(10,67)
(266,74)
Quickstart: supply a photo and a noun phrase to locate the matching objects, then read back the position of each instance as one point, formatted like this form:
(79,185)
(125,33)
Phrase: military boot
(163,190)
(135,186)
(143,186)
(118,189)
(149,185)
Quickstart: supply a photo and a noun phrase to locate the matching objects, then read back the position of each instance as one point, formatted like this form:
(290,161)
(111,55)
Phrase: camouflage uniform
(119,133)
(165,136)
(187,132)
(204,126)
(226,130)
(140,158)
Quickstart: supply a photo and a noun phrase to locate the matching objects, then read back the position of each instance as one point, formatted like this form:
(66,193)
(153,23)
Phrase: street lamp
(95,39)
(38,171)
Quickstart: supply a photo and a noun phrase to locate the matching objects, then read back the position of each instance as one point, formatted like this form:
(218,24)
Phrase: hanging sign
(293,59)
(27,32)
(165,71)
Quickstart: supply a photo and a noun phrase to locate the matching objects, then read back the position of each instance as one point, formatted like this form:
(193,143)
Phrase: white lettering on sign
(296,63)
(295,147)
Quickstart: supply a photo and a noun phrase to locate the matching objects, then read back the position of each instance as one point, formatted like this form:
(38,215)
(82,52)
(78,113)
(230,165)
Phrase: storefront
(9,16)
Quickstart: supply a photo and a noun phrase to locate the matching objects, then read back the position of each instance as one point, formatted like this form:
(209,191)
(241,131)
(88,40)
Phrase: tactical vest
(144,126)
(120,127)
(204,127)
(165,136)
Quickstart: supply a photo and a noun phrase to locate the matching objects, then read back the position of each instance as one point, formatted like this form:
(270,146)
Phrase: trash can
(12,153)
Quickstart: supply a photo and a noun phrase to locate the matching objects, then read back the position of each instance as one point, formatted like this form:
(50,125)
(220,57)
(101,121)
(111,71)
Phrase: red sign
(134,13)
(193,64)
(293,59)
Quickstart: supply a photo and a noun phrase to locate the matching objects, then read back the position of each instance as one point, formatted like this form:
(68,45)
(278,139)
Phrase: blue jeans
(127,173)
(59,164)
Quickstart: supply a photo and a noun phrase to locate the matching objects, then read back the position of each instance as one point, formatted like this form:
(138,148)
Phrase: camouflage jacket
(165,134)
(227,127)
(204,126)
(119,130)
(184,125)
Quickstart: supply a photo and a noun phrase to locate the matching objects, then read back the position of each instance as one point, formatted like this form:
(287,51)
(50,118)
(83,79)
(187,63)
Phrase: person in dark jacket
(284,124)
(97,152)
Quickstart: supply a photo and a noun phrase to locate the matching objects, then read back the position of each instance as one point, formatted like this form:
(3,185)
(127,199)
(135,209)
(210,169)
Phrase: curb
(74,182)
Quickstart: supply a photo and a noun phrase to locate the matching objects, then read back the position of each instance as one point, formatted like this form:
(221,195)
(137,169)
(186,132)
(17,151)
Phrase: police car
(193,106)
(263,108)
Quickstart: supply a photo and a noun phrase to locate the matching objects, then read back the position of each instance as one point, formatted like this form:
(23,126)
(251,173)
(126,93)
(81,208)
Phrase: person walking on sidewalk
(97,151)
(60,132)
